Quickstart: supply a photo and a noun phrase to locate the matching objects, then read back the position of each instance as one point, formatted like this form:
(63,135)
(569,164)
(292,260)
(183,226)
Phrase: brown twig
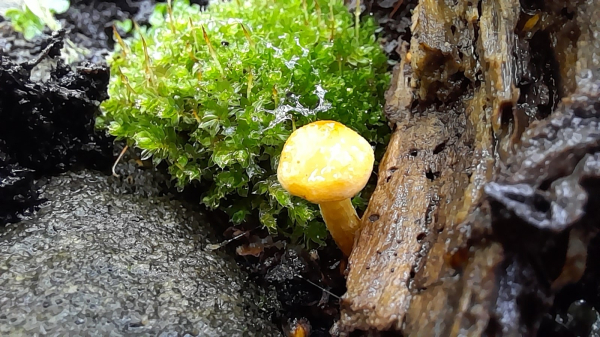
(396,7)
(118,160)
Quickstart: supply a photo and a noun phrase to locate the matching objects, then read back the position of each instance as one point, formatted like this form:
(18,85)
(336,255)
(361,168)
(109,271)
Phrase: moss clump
(216,93)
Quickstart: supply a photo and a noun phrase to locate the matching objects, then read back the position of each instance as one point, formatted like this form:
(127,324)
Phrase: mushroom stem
(342,221)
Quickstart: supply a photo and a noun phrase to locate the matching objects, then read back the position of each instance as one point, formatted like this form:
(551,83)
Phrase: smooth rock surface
(94,261)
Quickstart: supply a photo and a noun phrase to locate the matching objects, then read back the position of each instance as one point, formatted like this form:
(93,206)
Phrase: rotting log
(438,257)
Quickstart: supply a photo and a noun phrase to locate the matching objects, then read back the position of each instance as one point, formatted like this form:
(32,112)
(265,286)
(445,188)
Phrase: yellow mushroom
(327,163)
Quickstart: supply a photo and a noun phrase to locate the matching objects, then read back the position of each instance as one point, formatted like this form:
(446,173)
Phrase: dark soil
(47,128)
(90,22)
(394,17)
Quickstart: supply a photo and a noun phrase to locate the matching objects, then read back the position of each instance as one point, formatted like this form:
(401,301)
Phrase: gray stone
(96,262)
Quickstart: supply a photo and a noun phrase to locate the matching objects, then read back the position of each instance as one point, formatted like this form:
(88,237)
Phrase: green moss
(216,93)
(31,21)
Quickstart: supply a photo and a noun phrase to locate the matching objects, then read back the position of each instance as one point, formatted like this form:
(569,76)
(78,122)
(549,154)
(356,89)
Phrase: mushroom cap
(325,161)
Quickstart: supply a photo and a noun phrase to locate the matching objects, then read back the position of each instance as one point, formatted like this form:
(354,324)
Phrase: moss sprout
(216,92)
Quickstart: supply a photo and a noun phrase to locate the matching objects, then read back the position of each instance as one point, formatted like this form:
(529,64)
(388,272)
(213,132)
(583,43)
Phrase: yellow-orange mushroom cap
(325,161)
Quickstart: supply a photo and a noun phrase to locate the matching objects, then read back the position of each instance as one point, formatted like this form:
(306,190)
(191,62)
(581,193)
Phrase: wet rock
(90,260)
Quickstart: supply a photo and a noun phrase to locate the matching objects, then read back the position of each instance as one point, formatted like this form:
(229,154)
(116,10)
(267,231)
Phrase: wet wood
(425,189)
(426,262)
(410,227)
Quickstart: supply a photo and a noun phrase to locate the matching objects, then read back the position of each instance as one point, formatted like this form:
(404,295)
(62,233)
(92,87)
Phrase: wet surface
(87,251)
(436,258)
(93,260)
(484,202)
(276,273)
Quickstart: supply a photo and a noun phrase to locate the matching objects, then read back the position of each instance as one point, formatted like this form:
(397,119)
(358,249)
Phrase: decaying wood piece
(430,259)
(413,163)
(423,188)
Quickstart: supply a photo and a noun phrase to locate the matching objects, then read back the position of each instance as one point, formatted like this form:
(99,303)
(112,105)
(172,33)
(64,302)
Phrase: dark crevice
(530,6)
(539,76)
(390,173)
(566,14)
(545,185)
(432,175)
(439,148)
(506,114)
